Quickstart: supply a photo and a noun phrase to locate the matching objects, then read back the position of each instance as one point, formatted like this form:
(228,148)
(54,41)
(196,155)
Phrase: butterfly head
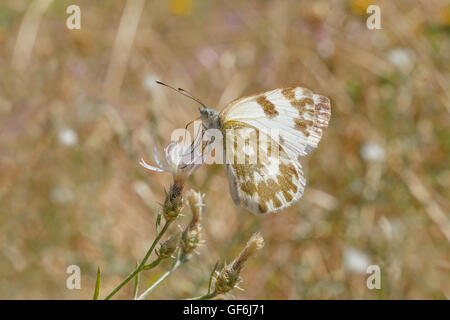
(210,118)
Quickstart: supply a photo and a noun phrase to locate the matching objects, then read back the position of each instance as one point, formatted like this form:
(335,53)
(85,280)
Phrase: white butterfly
(272,183)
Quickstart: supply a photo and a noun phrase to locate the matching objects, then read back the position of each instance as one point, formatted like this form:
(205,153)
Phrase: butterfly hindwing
(270,183)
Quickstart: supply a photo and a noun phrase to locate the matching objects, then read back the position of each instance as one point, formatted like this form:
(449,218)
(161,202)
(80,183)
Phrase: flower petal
(149,167)
(158,162)
(171,156)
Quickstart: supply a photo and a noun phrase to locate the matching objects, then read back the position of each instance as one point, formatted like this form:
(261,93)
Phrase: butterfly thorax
(210,118)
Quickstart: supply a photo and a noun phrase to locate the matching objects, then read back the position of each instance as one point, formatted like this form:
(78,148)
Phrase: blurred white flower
(61,195)
(181,159)
(208,57)
(371,151)
(401,58)
(326,48)
(67,137)
(325,45)
(355,260)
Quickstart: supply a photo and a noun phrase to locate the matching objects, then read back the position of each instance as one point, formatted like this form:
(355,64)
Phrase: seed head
(229,277)
(173,202)
(168,247)
(191,237)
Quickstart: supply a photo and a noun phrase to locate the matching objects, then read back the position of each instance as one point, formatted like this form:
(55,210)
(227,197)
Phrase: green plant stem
(153,264)
(205,297)
(136,285)
(140,267)
(175,265)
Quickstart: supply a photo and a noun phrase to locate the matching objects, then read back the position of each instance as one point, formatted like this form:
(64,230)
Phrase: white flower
(401,58)
(373,152)
(356,260)
(181,159)
(208,57)
(61,195)
(67,137)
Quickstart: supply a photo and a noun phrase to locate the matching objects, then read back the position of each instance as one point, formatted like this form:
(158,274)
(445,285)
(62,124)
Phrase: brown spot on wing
(287,184)
(262,207)
(287,195)
(276,202)
(322,112)
(268,107)
(285,180)
(275,189)
(303,126)
(299,104)
(264,191)
(288,170)
(267,191)
(248,187)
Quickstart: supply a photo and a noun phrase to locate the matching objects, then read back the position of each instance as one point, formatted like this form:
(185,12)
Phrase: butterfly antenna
(190,122)
(184,93)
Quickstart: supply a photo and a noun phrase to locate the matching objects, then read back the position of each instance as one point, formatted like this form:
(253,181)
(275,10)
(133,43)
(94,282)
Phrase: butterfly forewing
(299,114)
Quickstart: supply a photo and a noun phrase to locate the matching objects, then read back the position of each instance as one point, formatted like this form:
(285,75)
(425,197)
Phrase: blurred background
(79,108)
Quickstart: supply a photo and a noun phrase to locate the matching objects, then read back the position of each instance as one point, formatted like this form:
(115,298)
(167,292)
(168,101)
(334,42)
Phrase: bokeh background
(78,108)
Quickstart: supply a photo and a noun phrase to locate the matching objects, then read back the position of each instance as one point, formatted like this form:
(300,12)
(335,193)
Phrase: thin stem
(153,264)
(175,265)
(205,297)
(139,268)
(136,285)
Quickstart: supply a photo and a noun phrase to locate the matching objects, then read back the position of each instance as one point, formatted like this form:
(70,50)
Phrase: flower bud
(191,237)
(173,202)
(228,277)
(168,247)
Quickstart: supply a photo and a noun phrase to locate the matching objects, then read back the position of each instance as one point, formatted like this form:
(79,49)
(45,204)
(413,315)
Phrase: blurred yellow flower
(446,15)
(181,7)
(359,6)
